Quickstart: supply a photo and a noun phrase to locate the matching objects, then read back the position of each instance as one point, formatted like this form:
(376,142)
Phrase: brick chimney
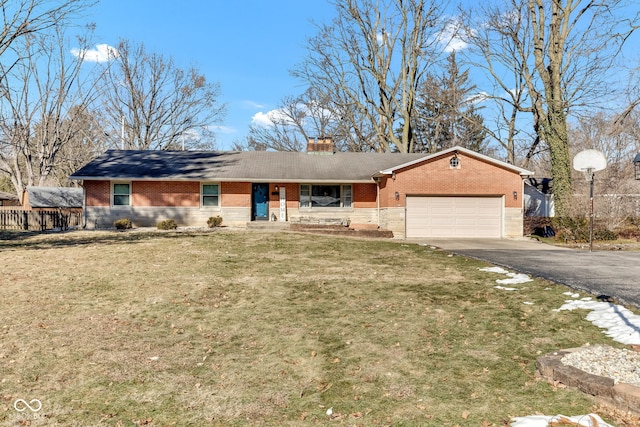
(322,145)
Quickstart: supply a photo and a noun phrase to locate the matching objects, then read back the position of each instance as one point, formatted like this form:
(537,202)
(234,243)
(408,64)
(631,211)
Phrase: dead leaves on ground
(564,421)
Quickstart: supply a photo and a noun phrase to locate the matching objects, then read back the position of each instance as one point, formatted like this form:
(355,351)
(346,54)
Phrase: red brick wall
(293,195)
(364,195)
(473,177)
(235,194)
(98,193)
(165,193)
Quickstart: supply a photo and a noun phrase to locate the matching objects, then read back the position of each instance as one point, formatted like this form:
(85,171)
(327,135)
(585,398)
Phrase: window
(122,194)
(346,196)
(210,195)
(454,162)
(305,196)
(325,196)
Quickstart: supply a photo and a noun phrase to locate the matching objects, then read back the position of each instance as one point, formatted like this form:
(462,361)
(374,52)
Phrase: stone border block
(627,396)
(624,396)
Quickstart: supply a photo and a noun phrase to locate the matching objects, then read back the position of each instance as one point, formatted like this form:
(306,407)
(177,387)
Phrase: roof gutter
(221,179)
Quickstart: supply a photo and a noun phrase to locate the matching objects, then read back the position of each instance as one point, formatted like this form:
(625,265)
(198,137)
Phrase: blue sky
(248,46)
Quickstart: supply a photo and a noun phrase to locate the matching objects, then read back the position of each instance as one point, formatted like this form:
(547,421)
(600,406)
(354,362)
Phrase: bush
(123,224)
(629,230)
(167,224)
(576,229)
(604,234)
(214,221)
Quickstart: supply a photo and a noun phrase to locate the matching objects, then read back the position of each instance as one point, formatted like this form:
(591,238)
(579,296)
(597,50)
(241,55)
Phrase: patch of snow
(528,303)
(591,420)
(571,294)
(506,289)
(498,270)
(621,324)
(515,278)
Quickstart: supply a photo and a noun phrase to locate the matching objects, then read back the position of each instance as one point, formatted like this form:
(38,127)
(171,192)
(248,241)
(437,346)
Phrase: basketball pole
(591,211)
(589,161)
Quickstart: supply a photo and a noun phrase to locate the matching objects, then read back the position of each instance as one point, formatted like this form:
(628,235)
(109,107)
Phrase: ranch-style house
(453,193)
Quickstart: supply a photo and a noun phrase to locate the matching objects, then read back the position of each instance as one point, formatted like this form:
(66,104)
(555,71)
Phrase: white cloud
(477,98)
(449,37)
(102,53)
(252,104)
(261,119)
(269,118)
(227,130)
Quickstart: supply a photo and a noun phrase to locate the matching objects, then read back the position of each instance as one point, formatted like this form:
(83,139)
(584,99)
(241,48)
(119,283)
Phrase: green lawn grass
(271,329)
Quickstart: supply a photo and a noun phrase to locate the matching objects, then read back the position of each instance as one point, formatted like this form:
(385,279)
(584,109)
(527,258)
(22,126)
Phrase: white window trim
(327,208)
(202,195)
(113,194)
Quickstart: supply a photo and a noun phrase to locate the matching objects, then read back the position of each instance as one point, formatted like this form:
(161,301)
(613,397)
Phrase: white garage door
(454,217)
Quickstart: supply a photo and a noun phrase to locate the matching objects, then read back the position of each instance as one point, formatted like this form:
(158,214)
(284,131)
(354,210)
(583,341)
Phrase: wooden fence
(39,220)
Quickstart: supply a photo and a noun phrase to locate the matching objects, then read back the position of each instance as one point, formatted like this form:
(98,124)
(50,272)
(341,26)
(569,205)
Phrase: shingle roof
(55,197)
(257,166)
(7,196)
(240,166)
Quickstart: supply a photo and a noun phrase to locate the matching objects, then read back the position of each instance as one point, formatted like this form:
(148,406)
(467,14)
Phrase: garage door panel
(454,216)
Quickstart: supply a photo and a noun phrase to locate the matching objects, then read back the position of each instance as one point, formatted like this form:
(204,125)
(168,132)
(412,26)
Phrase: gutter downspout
(84,206)
(377,179)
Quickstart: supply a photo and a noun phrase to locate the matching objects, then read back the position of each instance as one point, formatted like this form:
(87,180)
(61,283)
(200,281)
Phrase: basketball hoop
(588,174)
(589,162)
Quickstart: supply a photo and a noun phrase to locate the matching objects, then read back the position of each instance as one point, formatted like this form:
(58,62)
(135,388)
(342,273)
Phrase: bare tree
(289,127)
(36,96)
(21,18)
(562,51)
(150,103)
(370,61)
(616,188)
(499,43)
(299,118)
(85,140)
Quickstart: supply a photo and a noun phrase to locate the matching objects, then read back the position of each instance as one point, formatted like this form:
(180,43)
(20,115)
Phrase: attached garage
(461,217)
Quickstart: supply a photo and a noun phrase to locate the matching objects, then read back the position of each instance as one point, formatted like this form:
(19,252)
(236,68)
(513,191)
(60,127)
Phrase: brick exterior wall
(236,194)
(473,177)
(365,195)
(165,193)
(97,193)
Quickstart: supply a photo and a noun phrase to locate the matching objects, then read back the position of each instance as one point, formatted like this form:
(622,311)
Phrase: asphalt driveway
(601,273)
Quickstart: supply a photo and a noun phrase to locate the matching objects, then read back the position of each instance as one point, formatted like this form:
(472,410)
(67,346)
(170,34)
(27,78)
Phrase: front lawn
(271,329)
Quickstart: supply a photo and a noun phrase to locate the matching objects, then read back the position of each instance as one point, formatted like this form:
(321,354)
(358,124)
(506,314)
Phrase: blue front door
(260,205)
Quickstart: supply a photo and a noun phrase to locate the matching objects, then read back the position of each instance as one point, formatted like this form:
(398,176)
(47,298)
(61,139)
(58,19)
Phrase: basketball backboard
(589,161)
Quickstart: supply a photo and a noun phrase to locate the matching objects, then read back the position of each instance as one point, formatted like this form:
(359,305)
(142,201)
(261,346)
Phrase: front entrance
(260,202)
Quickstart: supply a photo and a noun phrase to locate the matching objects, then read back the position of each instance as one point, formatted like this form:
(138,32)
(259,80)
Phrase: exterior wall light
(515,195)
(397,196)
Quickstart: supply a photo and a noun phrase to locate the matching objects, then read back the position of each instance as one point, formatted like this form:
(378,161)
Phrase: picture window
(326,196)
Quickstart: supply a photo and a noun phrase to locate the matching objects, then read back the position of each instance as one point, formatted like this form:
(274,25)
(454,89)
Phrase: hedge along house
(453,193)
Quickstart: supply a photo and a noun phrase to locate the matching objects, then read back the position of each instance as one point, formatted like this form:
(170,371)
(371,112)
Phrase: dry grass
(244,328)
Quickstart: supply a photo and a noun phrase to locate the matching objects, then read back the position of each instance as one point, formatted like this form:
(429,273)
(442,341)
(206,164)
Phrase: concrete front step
(268,225)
